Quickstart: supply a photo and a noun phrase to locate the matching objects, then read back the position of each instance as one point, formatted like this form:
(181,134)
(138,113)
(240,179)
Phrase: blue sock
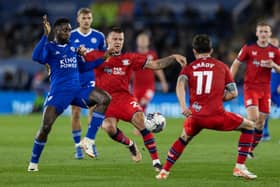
(76,136)
(37,150)
(96,122)
(265,128)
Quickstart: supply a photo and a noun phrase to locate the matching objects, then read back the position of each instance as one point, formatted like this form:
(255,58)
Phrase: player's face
(115,41)
(263,33)
(85,20)
(63,33)
(143,41)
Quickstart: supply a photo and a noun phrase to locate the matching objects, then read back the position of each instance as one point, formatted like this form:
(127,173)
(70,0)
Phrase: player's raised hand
(180,59)
(46,25)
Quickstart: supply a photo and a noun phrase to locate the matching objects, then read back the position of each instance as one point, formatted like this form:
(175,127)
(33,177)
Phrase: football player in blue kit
(64,64)
(91,39)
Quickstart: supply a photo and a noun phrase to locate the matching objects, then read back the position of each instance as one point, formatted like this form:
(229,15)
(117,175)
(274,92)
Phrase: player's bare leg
(110,126)
(101,100)
(138,121)
(49,117)
(173,154)
(143,103)
(247,135)
(76,130)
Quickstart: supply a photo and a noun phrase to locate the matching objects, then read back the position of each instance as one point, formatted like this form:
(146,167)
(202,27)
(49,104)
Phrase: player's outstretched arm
(231,91)
(181,94)
(167,61)
(40,52)
(234,67)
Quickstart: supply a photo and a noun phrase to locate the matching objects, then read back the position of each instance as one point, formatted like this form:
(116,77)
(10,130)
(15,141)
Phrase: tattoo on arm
(183,78)
(164,62)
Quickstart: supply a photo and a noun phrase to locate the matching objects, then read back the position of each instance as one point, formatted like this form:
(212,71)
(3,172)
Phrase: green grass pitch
(207,161)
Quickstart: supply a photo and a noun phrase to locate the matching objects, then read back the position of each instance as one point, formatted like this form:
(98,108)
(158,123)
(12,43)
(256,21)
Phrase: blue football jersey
(94,40)
(63,62)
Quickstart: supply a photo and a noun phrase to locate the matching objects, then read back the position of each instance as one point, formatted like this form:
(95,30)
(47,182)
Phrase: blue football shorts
(61,100)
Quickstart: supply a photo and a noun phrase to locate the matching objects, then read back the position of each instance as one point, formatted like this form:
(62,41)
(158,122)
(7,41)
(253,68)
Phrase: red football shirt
(255,58)
(114,74)
(145,78)
(207,79)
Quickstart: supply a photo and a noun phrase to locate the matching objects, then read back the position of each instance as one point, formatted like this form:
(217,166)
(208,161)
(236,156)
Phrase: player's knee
(138,120)
(250,125)
(106,99)
(109,128)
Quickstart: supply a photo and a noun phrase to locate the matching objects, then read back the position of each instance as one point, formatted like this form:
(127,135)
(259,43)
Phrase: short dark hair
(61,21)
(116,29)
(202,43)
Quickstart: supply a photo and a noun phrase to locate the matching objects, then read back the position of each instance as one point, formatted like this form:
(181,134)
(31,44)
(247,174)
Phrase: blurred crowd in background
(171,25)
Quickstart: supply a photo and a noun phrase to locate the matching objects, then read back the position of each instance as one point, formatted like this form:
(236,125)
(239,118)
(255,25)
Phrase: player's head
(115,39)
(202,44)
(62,29)
(263,32)
(84,18)
(274,41)
(143,42)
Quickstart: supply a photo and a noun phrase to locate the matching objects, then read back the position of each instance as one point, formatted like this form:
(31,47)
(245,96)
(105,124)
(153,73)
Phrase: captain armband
(231,87)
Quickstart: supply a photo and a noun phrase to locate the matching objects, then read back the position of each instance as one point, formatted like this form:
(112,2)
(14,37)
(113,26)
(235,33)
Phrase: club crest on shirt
(93,40)
(271,54)
(125,62)
(254,53)
(196,106)
(72,49)
(249,102)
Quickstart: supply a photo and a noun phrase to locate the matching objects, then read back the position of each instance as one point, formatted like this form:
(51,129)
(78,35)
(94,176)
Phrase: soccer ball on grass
(155,122)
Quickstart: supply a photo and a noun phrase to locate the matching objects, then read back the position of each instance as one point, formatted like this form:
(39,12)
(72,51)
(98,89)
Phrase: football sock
(96,122)
(149,142)
(244,145)
(174,153)
(37,150)
(76,136)
(265,129)
(121,138)
(257,137)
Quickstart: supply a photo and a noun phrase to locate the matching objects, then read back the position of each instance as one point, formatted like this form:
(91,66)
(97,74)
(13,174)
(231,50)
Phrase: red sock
(120,137)
(244,145)
(150,143)
(174,153)
(257,138)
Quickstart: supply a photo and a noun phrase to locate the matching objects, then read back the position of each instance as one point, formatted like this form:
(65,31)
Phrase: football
(155,122)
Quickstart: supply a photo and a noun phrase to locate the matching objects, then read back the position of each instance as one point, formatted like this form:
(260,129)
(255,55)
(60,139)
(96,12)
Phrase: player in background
(64,64)
(114,76)
(144,80)
(91,39)
(259,58)
(275,91)
(209,83)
